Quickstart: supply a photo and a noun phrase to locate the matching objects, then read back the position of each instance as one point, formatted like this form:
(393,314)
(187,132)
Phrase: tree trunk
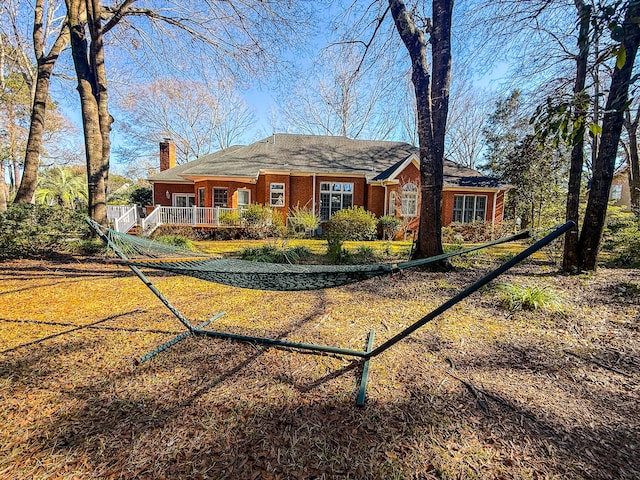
(3,188)
(570,260)
(39,108)
(85,58)
(595,215)
(634,162)
(432,108)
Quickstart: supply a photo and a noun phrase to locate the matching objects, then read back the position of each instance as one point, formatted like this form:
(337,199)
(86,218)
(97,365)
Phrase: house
(323,173)
(620,193)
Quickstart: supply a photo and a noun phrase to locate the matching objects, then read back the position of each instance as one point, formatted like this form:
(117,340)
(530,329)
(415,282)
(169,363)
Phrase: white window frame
(186,196)
(331,191)
(616,192)
(409,207)
(474,208)
(240,191)
(201,193)
(277,189)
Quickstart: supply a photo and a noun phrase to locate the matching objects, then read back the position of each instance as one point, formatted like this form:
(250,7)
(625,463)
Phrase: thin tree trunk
(570,260)
(634,162)
(45,66)
(595,215)
(3,188)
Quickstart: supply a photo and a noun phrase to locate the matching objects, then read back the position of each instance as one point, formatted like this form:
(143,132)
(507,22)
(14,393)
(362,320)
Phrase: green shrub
(302,222)
(229,219)
(353,223)
(141,196)
(37,230)
(625,246)
(389,226)
(515,297)
(256,216)
(176,241)
(274,254)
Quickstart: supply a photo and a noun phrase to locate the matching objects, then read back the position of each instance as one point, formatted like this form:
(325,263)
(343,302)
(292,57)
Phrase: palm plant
(62,186)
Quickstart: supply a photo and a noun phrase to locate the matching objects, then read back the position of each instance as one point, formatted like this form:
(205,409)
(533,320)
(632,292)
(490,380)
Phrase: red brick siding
(160,192)
(375,200)
(301,192)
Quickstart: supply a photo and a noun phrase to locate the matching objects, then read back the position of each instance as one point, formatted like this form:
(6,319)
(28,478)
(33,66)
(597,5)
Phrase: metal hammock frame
(363,356)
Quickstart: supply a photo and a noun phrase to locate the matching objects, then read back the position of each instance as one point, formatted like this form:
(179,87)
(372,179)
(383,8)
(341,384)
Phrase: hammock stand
(365,355)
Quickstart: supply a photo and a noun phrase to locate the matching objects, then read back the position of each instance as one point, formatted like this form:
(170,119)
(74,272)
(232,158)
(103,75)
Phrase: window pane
(481,208)
(325,208)
(347,200)
(347,187)
(336,187)
(324,187)
(220,197)
(468,208)
(277,194)
(201,197)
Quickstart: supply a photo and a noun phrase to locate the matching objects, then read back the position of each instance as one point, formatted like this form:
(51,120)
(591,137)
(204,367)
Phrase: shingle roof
(376,160)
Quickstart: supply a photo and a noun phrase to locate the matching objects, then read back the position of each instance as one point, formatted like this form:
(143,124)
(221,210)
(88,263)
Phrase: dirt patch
(480,392)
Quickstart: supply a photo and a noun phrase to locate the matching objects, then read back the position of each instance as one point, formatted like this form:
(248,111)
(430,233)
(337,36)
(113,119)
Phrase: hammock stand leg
(471,289)
(362,392)
(177,339)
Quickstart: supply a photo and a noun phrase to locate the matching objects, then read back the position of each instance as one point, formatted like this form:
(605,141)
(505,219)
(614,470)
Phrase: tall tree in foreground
(432,99)
(628,33)
(570,259)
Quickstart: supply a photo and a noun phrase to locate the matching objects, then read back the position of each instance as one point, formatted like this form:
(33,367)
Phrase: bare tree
(198,118)
(628,33)
(240,35)
(465,125)
(47,27)
(432,99)
(338,98)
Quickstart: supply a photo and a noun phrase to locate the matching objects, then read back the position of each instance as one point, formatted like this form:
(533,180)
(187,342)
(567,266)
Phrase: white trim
(413,158)
(243,190)
(175,196)
(486,210)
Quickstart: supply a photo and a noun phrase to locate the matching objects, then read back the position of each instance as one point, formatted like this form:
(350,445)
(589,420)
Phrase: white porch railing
(207,216)
(123,217)
(116,211)
(127,220)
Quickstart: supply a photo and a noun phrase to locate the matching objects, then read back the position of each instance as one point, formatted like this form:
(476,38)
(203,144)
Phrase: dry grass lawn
(481,392)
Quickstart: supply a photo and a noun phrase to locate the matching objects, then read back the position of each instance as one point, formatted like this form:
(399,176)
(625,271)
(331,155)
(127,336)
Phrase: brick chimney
(167,154)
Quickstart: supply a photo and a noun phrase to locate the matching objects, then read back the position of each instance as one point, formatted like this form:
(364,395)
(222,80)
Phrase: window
(469,208)
(244,198)
(184,199)
(409,200)
(276,194)
(201,197)
(616,192)
(220,197)
(333,197)
(392,204)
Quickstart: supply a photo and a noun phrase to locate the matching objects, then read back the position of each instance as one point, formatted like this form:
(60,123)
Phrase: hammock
(259,275)
(288,277)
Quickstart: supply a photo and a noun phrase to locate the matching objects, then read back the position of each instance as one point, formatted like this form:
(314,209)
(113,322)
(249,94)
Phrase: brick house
(325,174)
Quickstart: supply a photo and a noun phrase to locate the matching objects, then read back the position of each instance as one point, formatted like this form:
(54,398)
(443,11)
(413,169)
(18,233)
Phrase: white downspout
(313,198)
(385,201)
(493,213)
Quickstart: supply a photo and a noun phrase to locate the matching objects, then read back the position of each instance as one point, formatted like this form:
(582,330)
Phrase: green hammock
(256,275)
